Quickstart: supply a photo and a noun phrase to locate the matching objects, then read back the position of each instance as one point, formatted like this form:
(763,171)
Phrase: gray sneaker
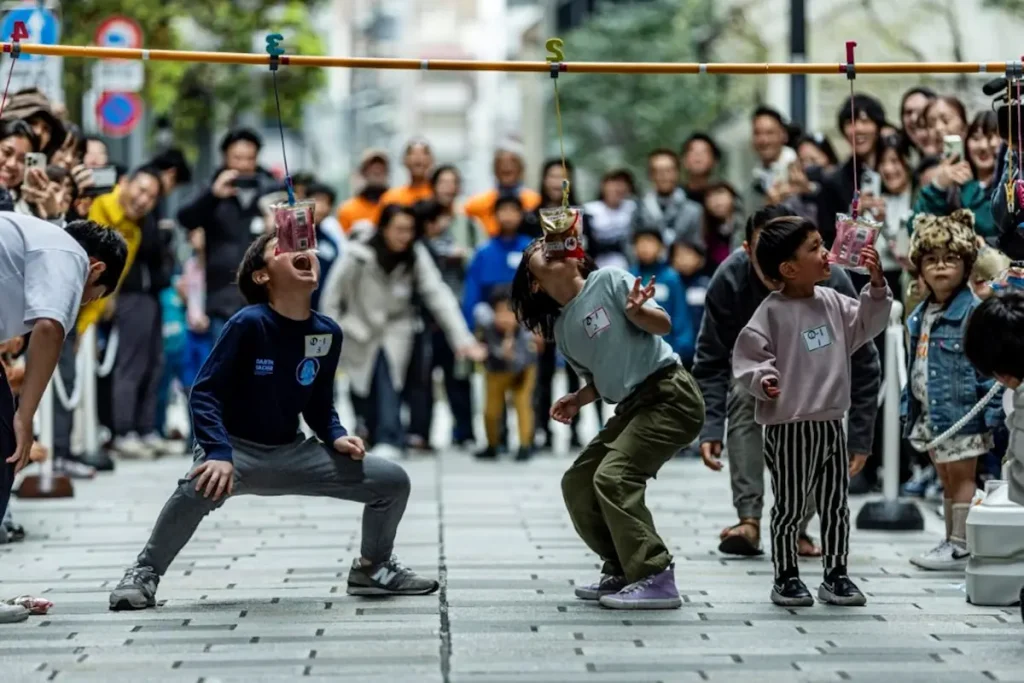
(945,557)
(388,578)
(607,585)
(12,614)
(137,589)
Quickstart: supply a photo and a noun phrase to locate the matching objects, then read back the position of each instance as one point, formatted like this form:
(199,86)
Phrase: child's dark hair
(502,294)
(779,242)
(251,262)
(760,218)
(103,244)
(537,311)
(994,339)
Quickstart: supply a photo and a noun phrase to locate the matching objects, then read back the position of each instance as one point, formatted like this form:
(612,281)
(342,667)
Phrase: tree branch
(879,26)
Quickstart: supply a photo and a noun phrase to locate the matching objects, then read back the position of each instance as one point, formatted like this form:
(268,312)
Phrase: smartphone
(953,147)
(871,183)
(104,178)
(246,182)
(35,160)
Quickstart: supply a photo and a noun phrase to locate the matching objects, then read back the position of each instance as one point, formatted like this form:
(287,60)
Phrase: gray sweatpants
(744,444)
(304,468)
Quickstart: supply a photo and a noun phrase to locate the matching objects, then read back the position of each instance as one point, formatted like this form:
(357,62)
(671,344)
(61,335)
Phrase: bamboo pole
(539,67)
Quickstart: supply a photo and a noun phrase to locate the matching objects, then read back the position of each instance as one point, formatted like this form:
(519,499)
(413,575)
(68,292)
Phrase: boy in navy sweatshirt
(274,360)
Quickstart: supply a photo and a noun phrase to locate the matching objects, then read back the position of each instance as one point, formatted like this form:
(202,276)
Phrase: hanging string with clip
(19,32)
(1010,187)
(275,51)
(1019,185)
(555,59)
(851,75)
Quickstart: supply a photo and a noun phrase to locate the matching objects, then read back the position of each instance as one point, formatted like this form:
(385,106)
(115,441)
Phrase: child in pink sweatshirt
(794,358)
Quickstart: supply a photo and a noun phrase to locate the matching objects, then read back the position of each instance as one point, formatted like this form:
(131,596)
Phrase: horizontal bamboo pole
(539,67)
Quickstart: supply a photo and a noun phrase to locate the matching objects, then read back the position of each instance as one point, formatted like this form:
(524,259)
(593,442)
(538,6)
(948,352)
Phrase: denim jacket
(954,386)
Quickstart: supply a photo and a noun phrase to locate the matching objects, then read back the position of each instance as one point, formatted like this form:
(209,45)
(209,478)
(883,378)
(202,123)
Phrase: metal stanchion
(891,513)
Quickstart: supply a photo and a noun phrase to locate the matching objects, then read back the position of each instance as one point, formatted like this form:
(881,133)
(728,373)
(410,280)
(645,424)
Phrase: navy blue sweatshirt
(264,371)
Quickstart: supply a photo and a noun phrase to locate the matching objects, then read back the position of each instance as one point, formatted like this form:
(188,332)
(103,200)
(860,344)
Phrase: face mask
(561,227)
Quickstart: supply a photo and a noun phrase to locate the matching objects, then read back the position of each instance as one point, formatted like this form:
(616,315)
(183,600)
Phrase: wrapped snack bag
(562,226)
(852,235)
(295,228)
(1010,279)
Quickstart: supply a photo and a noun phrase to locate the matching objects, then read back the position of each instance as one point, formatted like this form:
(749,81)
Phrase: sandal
(35,606)
(806,547)
(735,541)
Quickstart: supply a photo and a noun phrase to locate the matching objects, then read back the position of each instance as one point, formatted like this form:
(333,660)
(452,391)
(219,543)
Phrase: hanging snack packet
(1010,279)
(852,235)
(562,227)
(295,228)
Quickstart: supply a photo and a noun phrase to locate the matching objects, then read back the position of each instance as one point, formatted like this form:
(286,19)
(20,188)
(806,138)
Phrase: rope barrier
(109,355)
(765,68)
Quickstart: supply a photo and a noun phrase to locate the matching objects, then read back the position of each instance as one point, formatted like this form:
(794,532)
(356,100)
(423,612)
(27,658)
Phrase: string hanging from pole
(556,64)
(275,51)
(19,32)
(851,75)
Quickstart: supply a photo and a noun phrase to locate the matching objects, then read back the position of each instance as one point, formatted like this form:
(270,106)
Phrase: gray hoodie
(732,297)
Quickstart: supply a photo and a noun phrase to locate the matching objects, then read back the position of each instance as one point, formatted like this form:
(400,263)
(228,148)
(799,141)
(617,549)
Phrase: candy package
(561,227)
(852,235)
(1010,279)
(295,228)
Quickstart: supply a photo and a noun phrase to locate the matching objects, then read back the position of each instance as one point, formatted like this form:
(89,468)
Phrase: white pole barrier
(89,412)
(891,409)
(45,413)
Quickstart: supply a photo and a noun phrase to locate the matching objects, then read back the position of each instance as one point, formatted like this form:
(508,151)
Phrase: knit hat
(953,233)
(31,103)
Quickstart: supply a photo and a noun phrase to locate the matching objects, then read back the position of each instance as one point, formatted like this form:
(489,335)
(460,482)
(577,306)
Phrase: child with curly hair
(943,386)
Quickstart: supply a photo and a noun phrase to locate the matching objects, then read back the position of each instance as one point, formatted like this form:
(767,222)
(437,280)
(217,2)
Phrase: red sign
(118,31)
(119,113)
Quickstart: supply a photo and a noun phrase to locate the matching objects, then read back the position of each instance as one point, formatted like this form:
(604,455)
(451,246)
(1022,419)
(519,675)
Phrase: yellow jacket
(106,210)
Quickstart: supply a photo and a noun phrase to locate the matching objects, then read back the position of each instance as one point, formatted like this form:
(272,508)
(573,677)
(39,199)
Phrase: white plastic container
(995,537)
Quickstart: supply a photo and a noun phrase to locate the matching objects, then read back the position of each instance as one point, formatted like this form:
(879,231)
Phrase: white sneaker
(386,451)
(162,446)
(12,614)
(131,446)
(945,557)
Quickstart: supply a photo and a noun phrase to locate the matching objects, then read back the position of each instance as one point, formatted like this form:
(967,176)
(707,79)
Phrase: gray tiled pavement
(259,594)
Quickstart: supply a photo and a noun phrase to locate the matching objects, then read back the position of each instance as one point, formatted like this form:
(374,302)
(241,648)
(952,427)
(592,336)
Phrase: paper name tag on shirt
(817,338)
(317,345)
(514,257)
(596,322)
(660,292)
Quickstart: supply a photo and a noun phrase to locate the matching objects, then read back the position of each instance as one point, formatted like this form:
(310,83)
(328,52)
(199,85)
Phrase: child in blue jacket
(668,290)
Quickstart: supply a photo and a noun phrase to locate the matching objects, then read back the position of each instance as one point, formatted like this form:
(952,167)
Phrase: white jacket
(376,311)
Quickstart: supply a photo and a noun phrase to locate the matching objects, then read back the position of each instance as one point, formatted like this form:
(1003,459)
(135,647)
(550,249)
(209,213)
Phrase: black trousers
(139,364)
(547,364)
(7,442)
(63,419)
(804,459)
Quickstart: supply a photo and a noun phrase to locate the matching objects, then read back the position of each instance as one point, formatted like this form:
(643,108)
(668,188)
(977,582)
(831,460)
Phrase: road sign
(118,113)
(43,28)
(118,75)
(118,31)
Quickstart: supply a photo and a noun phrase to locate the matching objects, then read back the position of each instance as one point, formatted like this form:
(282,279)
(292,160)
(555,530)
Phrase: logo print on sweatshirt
(264,367)
(307,371)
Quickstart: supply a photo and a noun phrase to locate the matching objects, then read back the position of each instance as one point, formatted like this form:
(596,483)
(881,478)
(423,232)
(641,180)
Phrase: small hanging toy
(563,224)
(293,221)
(853,231)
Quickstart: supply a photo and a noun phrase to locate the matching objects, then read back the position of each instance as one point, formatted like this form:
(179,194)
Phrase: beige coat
(375,310)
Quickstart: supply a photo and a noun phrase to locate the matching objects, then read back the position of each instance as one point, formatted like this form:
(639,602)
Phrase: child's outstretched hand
(565,409)
(638,296)
(351,446)
(869,257)
(771,387)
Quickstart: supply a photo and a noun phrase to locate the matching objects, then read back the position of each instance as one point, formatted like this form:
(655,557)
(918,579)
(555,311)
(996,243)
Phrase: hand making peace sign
(638,296)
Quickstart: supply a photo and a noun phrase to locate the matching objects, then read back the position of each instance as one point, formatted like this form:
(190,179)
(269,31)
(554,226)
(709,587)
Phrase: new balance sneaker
(12,614)
(137,589)
(132,447)
(607,585)
(838,589)
(655,592)
(387,578)
(945,557)
(791,592)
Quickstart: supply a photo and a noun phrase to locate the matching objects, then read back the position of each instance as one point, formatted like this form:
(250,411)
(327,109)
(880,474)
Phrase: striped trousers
(808,459)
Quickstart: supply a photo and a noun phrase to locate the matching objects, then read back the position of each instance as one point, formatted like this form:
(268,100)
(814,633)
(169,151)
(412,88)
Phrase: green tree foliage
(198,96)
(617,119)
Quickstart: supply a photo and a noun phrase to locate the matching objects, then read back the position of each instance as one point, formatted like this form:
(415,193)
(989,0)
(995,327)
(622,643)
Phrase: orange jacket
(407,195)
(358,209)
(481,207)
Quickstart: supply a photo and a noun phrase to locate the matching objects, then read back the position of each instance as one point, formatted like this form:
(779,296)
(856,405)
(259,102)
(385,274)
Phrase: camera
(1008,105)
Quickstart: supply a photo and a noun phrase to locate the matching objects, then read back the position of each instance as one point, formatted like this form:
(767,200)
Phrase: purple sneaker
(655,592)
(608,585)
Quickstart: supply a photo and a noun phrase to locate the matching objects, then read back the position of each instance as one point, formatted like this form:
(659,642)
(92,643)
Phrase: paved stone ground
(259,594)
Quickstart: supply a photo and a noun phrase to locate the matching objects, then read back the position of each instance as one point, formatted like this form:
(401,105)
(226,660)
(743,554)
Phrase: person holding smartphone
(965,176)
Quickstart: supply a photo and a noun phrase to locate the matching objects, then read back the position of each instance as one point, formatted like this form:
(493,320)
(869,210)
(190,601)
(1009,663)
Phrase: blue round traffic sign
(119,113)
(41,24)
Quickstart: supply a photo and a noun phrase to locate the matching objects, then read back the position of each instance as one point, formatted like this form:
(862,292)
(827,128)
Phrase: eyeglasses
(932,260)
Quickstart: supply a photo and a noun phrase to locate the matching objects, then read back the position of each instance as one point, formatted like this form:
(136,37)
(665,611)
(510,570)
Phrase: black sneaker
(387,578)
(524,453)
(137,590)
(838,589)
(791,592)
(487,454)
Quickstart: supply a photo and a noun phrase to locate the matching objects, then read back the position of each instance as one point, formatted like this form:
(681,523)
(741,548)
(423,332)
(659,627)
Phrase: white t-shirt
(42,274)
